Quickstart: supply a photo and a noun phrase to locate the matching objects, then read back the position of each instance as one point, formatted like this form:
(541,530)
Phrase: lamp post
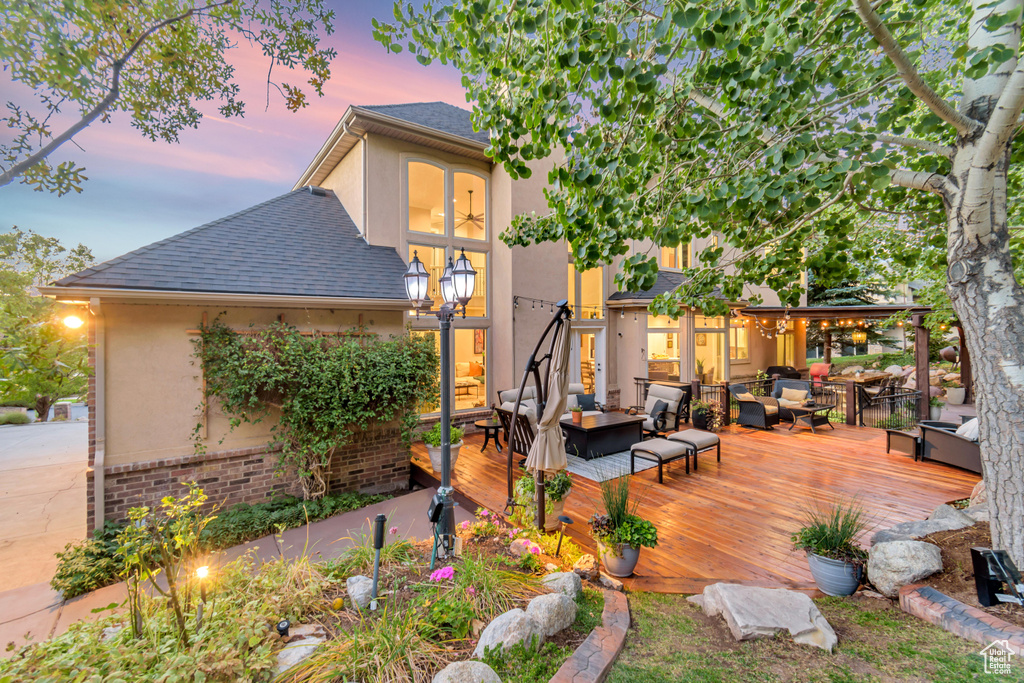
(457,284)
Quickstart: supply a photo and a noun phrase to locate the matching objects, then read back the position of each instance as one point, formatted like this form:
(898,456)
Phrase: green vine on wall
(322,389)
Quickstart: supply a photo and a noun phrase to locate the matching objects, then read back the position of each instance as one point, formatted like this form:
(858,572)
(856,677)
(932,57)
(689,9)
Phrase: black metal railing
(897,410)
(833,394)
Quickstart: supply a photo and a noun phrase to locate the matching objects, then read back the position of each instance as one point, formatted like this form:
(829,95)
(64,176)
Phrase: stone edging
(963,620)
(594,658)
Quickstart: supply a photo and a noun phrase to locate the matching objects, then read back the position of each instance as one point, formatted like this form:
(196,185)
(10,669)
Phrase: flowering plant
(712,410)
(442,574)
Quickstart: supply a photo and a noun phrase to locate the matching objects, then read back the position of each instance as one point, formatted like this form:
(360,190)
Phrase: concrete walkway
(42,497)
(36,612)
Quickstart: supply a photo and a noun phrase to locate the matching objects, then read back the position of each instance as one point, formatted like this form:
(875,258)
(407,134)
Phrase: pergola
(839,317)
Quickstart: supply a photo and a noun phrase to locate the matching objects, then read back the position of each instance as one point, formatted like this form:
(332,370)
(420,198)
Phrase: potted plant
(955,392)
(577,414)
(706,415)
(619,532)
(935,408)
(700,371)
(828,537)
(432,438)
(556,490)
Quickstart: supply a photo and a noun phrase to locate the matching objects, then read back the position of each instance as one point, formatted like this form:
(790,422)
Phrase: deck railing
(898,410)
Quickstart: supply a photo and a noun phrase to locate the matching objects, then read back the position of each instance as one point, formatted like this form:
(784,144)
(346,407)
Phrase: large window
(470,207)
(477,306)
(662,348)
(739,339)
(675,257)
(434,260)
(586,291)
(709,342)
(426,198)
(469,362)
(785,349)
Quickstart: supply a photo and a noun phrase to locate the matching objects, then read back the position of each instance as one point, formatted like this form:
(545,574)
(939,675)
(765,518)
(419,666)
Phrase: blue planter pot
(834,577)
(622,564)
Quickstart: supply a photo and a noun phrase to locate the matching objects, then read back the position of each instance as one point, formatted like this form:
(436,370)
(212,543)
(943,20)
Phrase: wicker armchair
(761,411)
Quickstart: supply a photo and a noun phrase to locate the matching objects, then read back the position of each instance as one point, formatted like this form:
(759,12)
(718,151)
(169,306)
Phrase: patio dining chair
(519,436)
(755,411)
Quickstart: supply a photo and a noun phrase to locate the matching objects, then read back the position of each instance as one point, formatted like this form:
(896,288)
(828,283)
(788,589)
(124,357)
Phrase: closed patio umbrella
(548,451)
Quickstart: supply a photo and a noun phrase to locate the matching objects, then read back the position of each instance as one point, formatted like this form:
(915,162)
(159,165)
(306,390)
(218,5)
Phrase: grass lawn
(672,640)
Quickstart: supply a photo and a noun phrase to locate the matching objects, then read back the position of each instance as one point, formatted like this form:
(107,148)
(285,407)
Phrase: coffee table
(809,415)
(603,434)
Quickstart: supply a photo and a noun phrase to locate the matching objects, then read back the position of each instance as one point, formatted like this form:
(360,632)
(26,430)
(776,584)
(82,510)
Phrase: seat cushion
(509,395)
(770,410)
(576,388)
(745,397)
(663,447)
(528,410)
(700,439)
(786,403)
(793,394)
(969,430)
(660,392)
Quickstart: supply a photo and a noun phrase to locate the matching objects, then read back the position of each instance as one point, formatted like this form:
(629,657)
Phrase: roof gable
(440,116)
(298,244)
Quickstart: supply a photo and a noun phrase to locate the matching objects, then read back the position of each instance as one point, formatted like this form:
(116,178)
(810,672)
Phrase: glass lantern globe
(463,279)
(417,282)
(448,285)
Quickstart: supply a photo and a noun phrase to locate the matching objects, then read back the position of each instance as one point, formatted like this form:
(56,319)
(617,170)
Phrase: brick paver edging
(963,620)
(594,658)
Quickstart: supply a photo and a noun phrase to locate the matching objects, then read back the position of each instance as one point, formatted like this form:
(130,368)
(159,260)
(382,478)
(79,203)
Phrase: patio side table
(903,442)
(489,426)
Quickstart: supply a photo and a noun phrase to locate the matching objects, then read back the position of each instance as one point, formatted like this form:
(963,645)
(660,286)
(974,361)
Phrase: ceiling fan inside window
(462,219)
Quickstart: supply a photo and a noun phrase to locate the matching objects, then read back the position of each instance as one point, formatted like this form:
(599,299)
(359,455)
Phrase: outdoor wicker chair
(794,385)
(755,411)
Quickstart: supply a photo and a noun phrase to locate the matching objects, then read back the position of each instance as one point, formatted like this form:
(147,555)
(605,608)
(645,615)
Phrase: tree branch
(8,176)
(923,145)
(922,180)
(1003,122)
(964,125)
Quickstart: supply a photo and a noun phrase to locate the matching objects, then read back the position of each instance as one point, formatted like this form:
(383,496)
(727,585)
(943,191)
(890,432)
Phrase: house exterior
(389,181)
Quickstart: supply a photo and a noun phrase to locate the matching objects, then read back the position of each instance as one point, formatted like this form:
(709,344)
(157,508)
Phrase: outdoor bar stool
(698,440)
(661,451)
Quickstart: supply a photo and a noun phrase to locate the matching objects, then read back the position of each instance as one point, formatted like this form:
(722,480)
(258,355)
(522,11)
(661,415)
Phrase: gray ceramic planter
(834,577)
(622,565)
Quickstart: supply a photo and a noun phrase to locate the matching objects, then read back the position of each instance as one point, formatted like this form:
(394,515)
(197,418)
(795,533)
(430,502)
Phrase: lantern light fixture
(73,322)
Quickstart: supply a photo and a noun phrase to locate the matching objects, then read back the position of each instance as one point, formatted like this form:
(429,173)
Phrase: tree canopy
(155,61)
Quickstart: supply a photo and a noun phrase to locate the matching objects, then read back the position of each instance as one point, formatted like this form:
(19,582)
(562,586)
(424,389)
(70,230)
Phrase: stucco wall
(346,179)
(153,390)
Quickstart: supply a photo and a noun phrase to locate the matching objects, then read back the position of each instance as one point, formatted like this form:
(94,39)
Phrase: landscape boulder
(360,589)
(303,640)
(951,377)
(508,629)
(587,567)
(894,564)
(466,672)
(979,513)
(751,612)
(553,612)
(610,582)
(852,370)
(567,583)
(951,515)
(979,495)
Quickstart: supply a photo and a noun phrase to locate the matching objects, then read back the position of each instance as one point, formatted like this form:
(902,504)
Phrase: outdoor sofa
(957,446)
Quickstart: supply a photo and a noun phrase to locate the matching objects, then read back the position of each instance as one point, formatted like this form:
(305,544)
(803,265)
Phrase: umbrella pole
(539,488)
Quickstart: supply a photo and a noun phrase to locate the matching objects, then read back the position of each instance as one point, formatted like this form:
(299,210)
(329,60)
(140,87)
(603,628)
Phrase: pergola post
(921,365)
(965,367)
(828,346)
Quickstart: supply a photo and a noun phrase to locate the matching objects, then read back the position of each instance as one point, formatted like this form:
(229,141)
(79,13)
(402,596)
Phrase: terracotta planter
(577,417)
(435,456)
(956,395)
(622,564)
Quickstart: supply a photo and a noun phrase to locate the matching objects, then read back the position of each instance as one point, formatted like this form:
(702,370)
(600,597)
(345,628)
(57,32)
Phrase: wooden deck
(732,520)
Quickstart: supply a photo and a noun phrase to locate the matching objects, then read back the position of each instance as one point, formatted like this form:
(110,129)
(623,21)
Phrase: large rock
(951,377)
(302,642)
(979,513)
(360,589)
(587,567)
(894,370)
(951,515)
(514,626)
(894,564)
(466,672)
(567,583)
(752,612)
(979,495)
(910,531)
(553,612)
(852,370)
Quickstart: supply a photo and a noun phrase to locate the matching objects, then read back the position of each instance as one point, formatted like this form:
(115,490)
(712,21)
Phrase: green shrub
(432,437)
(830,530)
(87,565)
(360,557)
(449,617)
(14,419)
(527,664)
(897,421)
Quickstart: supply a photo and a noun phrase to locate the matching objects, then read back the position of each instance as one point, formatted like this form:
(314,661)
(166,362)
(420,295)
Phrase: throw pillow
(745,397)
(589,402)
(794,394)
(969,430)
(659,407)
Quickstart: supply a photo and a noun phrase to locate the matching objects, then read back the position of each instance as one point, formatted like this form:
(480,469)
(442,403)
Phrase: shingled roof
(299,244)
(437,115)
(667,281)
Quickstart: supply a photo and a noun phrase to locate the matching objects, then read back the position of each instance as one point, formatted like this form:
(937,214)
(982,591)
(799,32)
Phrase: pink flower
(443,573)
(393,530)
(484,513)
(511,534)
(471,590)
(464,526)
(535,550)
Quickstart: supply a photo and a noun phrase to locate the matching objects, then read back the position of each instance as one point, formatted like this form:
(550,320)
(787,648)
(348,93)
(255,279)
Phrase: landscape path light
(457,284)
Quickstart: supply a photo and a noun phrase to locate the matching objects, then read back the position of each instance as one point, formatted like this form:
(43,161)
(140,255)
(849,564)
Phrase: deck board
(732,521)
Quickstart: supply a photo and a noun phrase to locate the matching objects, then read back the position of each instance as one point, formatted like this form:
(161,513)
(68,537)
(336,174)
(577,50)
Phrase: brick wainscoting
(375,462)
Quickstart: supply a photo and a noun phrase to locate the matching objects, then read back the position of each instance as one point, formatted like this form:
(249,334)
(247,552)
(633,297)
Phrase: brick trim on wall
(376,461)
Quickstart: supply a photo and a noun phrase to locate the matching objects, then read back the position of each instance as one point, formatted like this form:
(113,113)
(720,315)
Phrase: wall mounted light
(73,322)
